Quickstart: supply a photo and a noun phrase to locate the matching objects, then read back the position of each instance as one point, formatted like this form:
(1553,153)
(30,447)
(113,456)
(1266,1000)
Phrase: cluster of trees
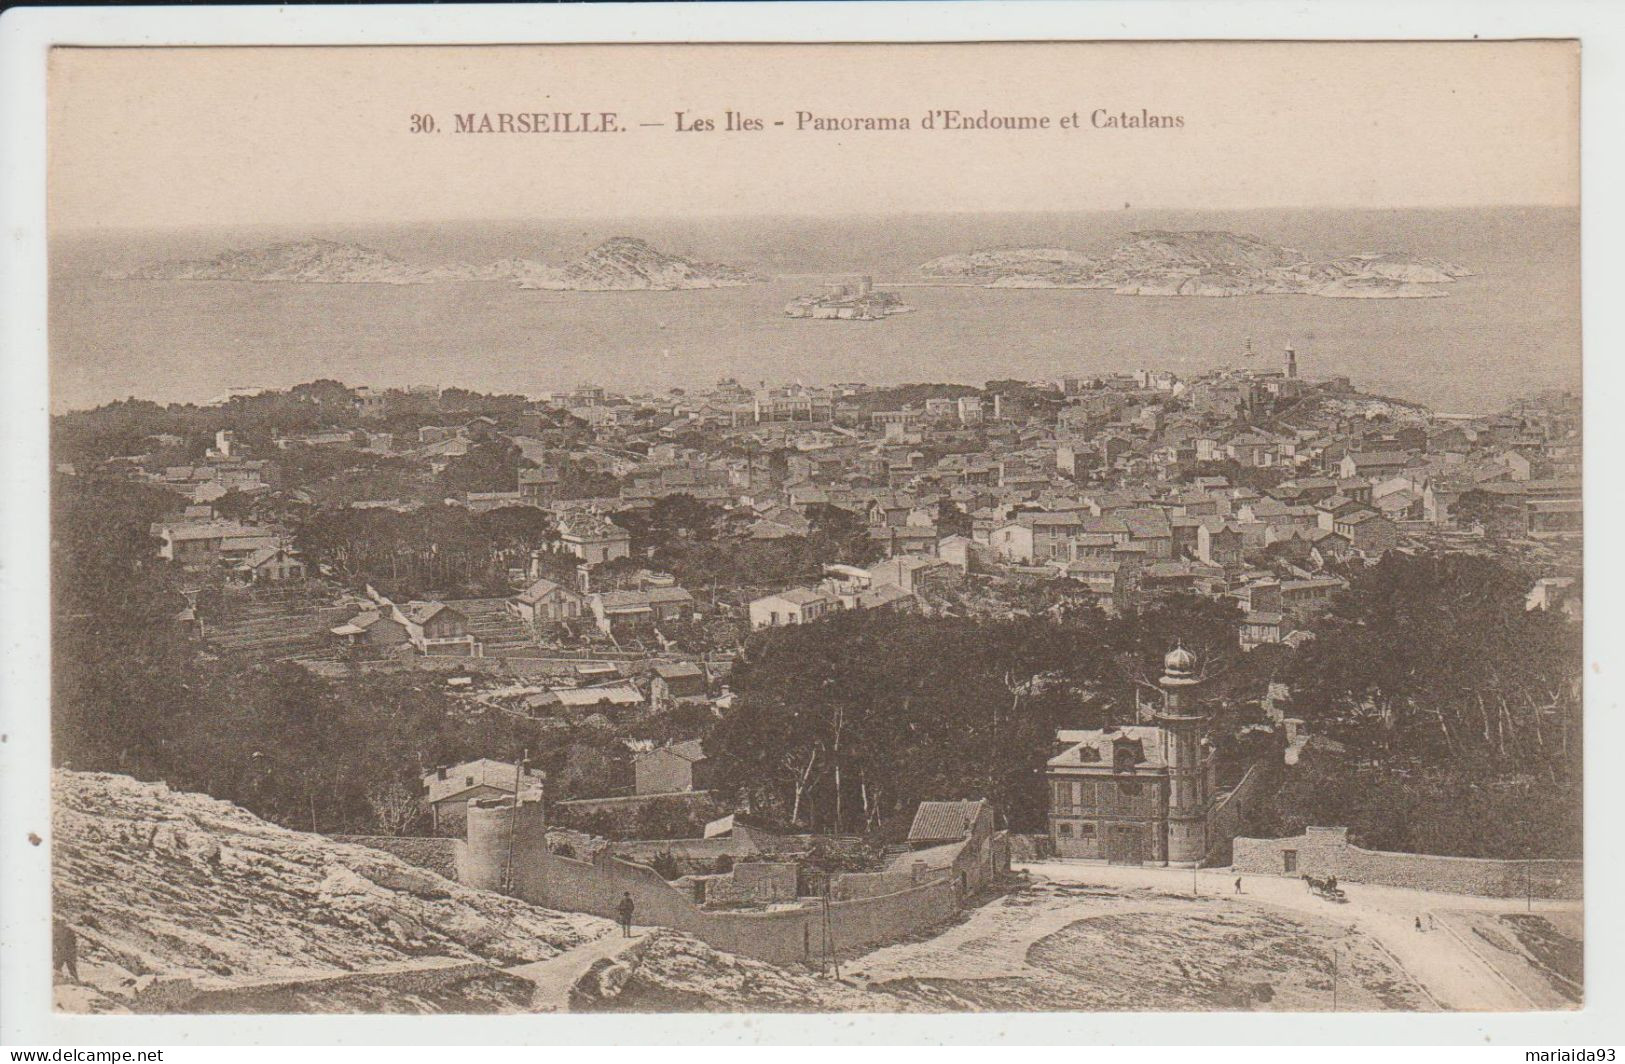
(124,427)
(1432,810)
(130,694)
(1433,659)
(1460,711)
(445,549)
(704,546)
(847,724)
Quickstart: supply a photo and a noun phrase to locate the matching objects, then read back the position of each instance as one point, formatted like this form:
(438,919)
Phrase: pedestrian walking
(625,910)
(1238,884)
(1419,923)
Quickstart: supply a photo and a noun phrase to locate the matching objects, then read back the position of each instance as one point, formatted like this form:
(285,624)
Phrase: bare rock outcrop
(172,890)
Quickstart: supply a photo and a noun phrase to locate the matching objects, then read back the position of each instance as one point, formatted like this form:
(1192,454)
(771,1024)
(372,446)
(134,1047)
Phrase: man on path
(64,948)
(625,910)
(1238,884)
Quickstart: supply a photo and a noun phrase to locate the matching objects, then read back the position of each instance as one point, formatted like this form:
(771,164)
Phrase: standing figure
(64,948)
(624,910)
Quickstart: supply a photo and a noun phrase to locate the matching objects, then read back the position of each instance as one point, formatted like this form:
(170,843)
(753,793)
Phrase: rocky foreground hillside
(164,887)
(1202,263)
(621,264)
(672,972)
(183,903)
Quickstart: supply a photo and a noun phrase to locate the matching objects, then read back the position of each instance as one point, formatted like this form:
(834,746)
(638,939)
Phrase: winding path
(554,977)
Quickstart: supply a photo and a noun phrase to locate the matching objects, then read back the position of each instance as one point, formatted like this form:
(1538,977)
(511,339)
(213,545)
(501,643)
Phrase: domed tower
(1183,722)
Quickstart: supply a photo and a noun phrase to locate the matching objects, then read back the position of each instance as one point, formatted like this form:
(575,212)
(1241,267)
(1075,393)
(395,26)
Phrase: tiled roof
(536,592)
(1095,748)
(487,772)
(944,820)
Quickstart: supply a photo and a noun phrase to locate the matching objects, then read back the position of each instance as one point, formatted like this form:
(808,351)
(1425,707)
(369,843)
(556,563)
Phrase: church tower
(1182,722)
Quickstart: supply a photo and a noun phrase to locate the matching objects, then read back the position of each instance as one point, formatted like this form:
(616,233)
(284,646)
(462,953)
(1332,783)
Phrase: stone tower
(1289,364)
(502,841)
(1182,722)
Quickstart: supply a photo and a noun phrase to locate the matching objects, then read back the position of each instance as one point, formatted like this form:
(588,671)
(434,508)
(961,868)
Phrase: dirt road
(555,976)
(1452,973)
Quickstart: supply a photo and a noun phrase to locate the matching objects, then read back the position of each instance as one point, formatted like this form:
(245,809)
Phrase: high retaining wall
(1327,851)
(794,933)
(1224,821)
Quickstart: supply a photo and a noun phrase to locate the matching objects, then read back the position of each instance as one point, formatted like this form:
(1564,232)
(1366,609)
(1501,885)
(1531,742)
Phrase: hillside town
(596,650)
(1259,488)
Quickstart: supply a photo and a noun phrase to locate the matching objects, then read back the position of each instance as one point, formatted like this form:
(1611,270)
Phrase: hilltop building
(1141,794)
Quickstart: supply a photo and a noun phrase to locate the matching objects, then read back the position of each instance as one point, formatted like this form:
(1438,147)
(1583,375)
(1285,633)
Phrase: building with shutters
(1140,794)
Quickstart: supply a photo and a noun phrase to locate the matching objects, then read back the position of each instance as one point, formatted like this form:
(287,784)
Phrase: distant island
(620,264)
(1202,263)
(854,300)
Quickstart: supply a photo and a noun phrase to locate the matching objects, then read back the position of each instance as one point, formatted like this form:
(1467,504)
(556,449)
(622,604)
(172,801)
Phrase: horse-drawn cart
(1327,888)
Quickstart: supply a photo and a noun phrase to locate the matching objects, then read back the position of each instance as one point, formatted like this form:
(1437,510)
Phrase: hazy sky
(173,137)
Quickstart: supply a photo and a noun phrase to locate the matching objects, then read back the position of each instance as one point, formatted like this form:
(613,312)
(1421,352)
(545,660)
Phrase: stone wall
(781,936)
(745,841)
(217,995)
(1318,852)
(1327,851)
(850,886)
(1224,821)
(750,883)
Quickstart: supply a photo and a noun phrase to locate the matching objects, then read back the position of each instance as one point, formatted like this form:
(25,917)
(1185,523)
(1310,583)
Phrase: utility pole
(513,823)
(1334,977)
(830,958)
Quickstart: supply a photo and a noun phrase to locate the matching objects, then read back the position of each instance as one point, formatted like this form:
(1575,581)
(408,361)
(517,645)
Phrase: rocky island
(627,264)
(854,300)
(620,264)
(1201,263)
(311,261)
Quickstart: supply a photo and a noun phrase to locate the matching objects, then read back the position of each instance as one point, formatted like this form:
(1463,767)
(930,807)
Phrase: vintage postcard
(1049,527)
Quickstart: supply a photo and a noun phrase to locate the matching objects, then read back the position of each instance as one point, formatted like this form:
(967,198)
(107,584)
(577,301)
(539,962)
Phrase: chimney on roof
(440,772)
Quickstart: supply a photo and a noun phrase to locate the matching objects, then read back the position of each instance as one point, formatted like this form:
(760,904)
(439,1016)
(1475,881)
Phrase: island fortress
(1144,794)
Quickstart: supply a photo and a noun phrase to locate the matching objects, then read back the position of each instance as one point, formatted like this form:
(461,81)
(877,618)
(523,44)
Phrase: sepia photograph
(1048,527)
